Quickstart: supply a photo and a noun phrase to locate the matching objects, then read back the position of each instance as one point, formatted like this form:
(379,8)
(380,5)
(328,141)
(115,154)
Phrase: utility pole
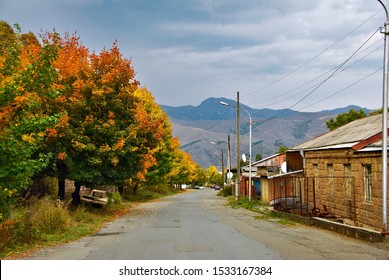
(237,189)
(229,160)
(385,127)
(250,161)
(223,167)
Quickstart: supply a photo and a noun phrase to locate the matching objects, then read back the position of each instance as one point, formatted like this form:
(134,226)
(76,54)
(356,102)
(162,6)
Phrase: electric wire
(311,59)
(320,84)
(339,91)
(311,87)
(314,79)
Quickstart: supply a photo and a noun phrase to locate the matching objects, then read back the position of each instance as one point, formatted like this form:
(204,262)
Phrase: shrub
(48,216)
(114,199)
(226,191)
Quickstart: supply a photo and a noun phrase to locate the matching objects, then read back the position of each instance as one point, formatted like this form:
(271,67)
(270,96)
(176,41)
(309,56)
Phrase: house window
(368,183)
(347,180)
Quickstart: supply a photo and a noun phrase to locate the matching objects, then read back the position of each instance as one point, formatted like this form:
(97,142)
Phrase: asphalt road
(196,225)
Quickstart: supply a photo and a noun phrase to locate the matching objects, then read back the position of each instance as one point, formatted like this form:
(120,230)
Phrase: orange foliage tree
(83,116)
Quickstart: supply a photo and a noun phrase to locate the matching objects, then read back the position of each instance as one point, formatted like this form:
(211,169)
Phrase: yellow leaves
(105,148)
(115,161)
(28,138)
(119,145)
(20,99)
(9,193)
(78,145)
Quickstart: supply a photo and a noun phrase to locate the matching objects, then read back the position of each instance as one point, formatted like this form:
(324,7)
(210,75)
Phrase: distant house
(342,175)
(265,168)
(255,182)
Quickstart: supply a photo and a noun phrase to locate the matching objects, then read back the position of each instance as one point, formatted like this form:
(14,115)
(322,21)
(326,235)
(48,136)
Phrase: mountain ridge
(210,122)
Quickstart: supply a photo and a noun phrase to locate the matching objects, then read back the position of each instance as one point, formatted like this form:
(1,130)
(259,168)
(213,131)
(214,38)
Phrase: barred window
(368,183)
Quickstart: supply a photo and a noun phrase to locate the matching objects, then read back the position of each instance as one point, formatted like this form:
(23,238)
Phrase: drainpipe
(385,128)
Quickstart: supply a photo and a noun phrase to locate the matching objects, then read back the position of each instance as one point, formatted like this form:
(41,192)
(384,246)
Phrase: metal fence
(330,197)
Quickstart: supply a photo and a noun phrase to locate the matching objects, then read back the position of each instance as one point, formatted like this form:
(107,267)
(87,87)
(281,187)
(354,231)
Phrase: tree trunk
(61,169)
(135,189)
(76,194)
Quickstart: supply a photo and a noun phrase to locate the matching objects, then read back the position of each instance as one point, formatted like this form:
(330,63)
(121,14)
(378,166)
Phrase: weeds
(45,222)
(262,209)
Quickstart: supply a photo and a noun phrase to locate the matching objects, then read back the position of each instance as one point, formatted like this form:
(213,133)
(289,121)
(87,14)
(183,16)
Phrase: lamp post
(385,126)
(238,141)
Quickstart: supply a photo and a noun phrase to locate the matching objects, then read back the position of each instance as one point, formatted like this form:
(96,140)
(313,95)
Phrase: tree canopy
(345,118)
(79,115)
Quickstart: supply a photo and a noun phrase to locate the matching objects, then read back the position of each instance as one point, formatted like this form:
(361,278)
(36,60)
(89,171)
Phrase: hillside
(198,126)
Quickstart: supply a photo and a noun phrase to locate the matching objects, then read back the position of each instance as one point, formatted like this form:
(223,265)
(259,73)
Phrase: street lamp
(250,139)
(385,125)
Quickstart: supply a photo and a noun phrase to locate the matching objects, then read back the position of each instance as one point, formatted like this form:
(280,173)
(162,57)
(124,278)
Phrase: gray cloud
(186,51)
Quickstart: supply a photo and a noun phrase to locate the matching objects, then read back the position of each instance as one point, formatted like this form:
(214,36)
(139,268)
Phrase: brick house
(342,174)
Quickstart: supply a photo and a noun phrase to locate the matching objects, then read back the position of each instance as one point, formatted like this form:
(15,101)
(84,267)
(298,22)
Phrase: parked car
(217,188)
(201,188)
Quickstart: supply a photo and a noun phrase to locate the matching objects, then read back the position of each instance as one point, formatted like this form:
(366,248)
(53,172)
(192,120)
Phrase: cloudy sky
(300,54)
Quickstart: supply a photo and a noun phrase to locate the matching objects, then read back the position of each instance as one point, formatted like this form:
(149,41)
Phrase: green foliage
(282,149)
(79,115)
(243,202)
(226,191)
(49,216)
(345,118)
(213,176)
(114,199)
(258,157)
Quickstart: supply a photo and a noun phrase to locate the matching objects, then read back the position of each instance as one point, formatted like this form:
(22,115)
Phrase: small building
(255,182)
(264,168)
(342,174)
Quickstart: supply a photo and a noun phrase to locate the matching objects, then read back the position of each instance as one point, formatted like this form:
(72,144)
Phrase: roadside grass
(45,222)
(265,213)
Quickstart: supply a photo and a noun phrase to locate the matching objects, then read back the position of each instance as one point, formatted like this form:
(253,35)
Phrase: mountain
(203,130)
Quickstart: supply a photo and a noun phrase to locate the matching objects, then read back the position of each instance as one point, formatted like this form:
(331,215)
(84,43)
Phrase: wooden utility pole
(237,190)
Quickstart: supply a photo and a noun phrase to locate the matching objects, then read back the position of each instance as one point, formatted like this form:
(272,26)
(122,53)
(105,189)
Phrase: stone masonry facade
(348,183)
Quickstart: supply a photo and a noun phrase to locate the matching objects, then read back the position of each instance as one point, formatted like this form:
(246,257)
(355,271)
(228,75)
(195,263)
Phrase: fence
(316,196)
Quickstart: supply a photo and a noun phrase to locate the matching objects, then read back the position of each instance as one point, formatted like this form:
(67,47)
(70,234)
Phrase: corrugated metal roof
(353,132)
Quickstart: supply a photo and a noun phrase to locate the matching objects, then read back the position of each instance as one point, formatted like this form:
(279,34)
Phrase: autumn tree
(201,177)
(82,116)
(26,76)
(96,140)
(184,169)
(156,129)
(213,176)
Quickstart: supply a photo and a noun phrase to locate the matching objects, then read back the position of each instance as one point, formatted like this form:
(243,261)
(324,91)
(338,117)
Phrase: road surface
(197,225)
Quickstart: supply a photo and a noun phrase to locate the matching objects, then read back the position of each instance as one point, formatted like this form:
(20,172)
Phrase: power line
(310,60)
(321,83)
(316,78)
(339,91)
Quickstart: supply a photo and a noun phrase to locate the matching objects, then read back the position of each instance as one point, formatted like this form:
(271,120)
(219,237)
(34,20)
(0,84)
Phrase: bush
(114,199)
(49,216)
(226,191)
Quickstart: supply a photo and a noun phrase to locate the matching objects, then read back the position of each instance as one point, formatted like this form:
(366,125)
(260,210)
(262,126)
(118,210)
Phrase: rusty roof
(347,135)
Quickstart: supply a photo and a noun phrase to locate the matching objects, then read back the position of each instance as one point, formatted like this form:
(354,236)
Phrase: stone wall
(338,177)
